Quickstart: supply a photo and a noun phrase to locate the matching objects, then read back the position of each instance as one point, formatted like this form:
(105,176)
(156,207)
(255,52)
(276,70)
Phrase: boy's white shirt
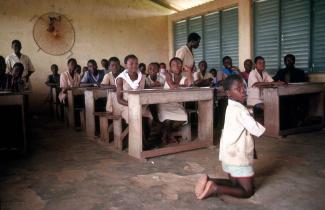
(254,94)
(236,143)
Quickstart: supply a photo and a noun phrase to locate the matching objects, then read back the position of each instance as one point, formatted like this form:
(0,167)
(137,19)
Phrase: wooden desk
(17,99)
(91,94)
(72,92)
(315,93)
(137,98)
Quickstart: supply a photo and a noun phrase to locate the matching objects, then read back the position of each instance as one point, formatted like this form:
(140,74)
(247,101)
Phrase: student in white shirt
(18,57)
(236,147)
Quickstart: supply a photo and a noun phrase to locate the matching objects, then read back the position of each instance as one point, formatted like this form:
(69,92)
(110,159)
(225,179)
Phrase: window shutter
(266,33)
(195,25)
(229,34)
(295,28)
(212,40)
(180,34)
(318,46)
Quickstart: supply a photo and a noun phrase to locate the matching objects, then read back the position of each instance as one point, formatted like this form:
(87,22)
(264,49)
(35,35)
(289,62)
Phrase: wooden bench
(104,118)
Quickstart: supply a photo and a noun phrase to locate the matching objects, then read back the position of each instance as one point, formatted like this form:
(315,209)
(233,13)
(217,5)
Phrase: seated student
(173,115)
(4,78)
(109,78)
(154,79)
(17,84)
(290,73)
(105,64)
(256,78)
(93,76)
(78,69)
(130,79)
(203,78)
(213,72)
(162,70)
(84,70)
(236,151)
(228,68)
(53,78)
(69,79)
(248,65)
(142,68)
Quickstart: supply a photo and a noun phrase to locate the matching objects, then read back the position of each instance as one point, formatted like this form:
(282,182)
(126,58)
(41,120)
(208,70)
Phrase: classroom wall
(103,28)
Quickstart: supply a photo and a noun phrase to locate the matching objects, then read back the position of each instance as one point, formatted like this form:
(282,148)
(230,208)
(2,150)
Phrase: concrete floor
(67,171)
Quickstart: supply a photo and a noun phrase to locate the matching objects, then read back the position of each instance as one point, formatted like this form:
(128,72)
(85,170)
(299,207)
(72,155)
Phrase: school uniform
(290,75)
(200,76)
(236,144)
(150,82)
(172,111)
(229,72)
(92,79)
(109,79)
(67,81)
(254,94)
(24,59)
(185,54)
(128,84)
(53,79)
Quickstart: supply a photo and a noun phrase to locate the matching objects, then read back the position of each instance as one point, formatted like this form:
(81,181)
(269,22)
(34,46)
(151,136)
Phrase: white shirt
(185,54)
(150,82)
(236,143)
(254,94)
(24,59)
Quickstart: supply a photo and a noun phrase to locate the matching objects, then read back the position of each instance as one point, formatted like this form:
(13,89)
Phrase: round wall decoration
(54,33)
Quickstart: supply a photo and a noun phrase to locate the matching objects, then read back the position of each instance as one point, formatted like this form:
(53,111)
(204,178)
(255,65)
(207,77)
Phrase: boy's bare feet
(210,189)
(200,185)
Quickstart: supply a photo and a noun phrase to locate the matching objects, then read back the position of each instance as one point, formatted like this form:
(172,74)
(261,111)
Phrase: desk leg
(90,117)
(205,121)
(271,112)
(135,126)
(71,108)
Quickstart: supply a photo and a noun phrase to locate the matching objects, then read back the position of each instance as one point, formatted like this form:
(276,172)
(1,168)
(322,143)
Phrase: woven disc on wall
(54,34)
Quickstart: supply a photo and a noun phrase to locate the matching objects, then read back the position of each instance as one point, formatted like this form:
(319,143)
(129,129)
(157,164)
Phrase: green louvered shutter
(318,53)
(212,40)
(180,34)
(195,25)
(229,34)
(266,33)
(295,31)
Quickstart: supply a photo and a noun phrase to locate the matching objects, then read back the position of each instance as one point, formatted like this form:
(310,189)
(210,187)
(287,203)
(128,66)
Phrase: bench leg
(104,134)
(82,119)
(186,132)
(117,126)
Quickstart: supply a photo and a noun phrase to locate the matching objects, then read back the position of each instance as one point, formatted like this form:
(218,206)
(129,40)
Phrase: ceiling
(179,5)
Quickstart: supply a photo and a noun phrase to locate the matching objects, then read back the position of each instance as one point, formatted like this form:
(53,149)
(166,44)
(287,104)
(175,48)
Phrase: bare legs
(169,127)
(240,187)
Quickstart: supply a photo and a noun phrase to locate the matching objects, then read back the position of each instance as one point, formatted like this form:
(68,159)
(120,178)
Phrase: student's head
(248,65)
(162,66)
(2,65)
(234,87)
(213,72)
(104,63)
(227,62)
(54,68)
(176,65)
(17,70)
(92,65)
(259,63)
(131,63)
(78,69)
(203,65)
(153,69)
(289,60)
(142,68)
(72,64)
(194,39)
(114,64)
(16,46)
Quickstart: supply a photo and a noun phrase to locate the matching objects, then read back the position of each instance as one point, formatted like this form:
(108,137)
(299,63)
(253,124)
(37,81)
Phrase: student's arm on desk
(265,84)
(119,92)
